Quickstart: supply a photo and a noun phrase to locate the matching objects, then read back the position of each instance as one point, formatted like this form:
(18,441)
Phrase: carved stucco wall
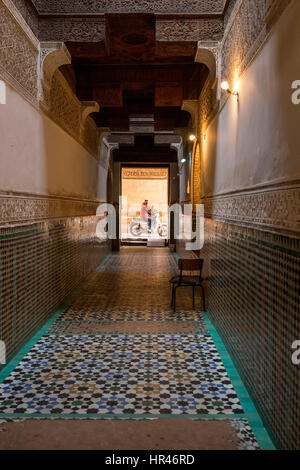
(72,29)
(250,152)
(20,57)
(243,37)
(203,19)
(227,14)
(229,167)
(18,52)
(189,30)
(66,110)
(38,157)
(29,14)
(123,6)
(93,30)
(44,172)
(21,208)
(207,103)
(247,25)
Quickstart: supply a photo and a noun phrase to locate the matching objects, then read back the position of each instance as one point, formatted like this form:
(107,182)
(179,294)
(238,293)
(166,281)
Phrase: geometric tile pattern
(40,265)
(254,301)
(89,313)
(118,350)
(166,374)
(247,440)
(156,327)
(133,288)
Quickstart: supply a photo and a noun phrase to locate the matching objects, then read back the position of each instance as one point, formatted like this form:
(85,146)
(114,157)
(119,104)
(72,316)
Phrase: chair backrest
(190,264)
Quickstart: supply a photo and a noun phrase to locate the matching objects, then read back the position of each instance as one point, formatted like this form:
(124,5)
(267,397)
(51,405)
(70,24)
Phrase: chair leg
(193,297)
(172,298)
(203,298)
(173,295)
(174,301)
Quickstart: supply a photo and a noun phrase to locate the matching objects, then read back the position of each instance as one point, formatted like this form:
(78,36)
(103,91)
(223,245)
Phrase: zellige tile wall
(253,299)
(40,263)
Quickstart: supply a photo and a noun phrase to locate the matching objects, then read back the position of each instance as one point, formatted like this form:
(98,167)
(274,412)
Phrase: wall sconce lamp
(192,137)
(225,86)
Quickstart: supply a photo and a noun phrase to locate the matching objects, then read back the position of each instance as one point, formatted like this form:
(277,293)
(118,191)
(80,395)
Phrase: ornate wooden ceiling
(144,151)
(131,73)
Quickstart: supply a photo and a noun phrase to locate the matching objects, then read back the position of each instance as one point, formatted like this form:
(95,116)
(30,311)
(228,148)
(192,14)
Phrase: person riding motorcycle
(145,213)
(140,225)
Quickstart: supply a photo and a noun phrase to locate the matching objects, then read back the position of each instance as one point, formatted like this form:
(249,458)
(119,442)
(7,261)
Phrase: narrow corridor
(117,352)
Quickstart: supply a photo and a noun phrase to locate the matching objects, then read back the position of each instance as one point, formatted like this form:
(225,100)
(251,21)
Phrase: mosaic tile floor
(118,350)
(121,374)
(157,327)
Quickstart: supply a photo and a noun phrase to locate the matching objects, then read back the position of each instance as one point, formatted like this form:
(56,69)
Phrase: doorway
(137,185)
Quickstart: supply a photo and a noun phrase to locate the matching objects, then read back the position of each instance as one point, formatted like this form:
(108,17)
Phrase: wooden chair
(191,280)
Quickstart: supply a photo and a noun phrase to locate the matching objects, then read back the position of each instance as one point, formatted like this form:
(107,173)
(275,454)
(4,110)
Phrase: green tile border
(251,413)
(28,346)
(18,234)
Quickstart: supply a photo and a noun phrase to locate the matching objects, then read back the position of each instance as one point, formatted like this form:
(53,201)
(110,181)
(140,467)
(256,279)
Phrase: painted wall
(37,156)
(257,140)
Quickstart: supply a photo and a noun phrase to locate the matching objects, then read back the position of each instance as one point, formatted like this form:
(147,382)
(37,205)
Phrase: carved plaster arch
(80,126)
(52,56)
(192,107)
(87,107)
(208,53)
(178,146)
(106,150)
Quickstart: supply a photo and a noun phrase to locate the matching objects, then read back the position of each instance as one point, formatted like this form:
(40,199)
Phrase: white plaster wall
(257,140)
(102,183)
(37,156)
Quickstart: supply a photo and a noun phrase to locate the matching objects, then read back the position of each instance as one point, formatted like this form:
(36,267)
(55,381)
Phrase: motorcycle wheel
(135,230)
(162,231)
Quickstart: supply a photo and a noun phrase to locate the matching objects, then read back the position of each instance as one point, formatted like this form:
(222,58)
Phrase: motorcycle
(139,226)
